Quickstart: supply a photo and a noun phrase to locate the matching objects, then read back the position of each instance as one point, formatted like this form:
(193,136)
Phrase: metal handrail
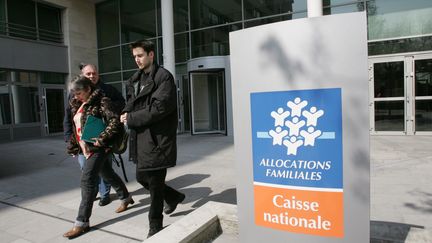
(29,32)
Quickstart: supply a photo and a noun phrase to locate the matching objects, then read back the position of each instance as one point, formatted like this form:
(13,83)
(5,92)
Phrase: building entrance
(401,95)
(53,109)
(208,102)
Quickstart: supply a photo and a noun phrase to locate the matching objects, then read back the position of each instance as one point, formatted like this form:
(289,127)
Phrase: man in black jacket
(90,72)
(151,115)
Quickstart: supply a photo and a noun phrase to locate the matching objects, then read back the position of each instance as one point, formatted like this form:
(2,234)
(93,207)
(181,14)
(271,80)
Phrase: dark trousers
(154,181)
(94,167)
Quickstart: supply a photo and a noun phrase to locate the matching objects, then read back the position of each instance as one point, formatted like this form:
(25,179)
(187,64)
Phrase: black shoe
(171,207)
(104,201)
(155,227)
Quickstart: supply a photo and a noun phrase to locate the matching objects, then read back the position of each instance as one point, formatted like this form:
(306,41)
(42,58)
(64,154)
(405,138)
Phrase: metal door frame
(191,107)
(409,92)
(44,107)
(415,58)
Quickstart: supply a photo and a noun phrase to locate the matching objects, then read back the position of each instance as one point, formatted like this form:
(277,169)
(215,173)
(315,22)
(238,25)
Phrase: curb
(202,225)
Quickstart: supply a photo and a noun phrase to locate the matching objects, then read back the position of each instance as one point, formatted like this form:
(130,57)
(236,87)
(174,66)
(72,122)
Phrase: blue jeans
(94,168)
(104,187)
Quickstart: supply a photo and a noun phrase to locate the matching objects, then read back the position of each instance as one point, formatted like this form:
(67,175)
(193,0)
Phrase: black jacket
(117,100)
(152,119)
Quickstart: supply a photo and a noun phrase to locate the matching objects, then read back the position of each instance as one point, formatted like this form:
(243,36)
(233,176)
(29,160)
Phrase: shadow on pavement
(390,232)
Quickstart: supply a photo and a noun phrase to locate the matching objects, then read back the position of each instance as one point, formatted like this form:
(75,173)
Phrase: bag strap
(120,163)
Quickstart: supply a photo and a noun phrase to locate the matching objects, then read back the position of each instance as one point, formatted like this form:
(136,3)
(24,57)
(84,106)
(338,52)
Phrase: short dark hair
(147,45)
(79,83)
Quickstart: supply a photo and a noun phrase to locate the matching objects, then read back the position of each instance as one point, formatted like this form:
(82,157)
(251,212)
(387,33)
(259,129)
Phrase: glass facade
(201,29)
(107,21)
(205,13)
(399,26)
(5,105)
(26,99)
(181,15)
(120,22)
(138,20)
(212,42)
(399,18)
(257,9)
(32,20)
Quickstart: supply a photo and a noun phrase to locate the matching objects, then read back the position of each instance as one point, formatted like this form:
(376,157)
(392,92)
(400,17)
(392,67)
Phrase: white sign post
(300,105)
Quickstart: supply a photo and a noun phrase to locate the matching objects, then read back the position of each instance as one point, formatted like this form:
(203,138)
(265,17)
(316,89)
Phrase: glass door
(401,95)
(388,101)
(422,66)
(208,113)
(183,103)
(54,100)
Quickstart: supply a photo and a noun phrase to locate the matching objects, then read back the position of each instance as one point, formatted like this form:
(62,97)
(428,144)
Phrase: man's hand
(123,118)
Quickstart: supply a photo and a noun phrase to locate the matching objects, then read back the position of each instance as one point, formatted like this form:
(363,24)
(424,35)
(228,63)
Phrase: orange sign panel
(300,211)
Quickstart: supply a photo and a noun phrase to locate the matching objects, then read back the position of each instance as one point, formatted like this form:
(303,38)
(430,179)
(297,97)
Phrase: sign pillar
(300,99)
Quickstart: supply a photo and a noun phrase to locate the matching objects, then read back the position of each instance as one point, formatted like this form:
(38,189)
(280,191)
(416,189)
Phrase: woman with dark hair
(89,101)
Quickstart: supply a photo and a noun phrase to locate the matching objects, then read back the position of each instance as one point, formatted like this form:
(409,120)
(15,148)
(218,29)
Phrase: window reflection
(112,77)
(253,23)
(49,22)
(2,17)
(21,20)
(212,42)
(423,77)
(109,60)
(423,115)
(349,8)
(400,45)
(3,75)
(138,20)
(206,13)
(389,79)
(52,78)
(259,8)
(181,19)
(18,25)
(107,21)
(128,61)
(5,110)
(389,116)
(181,47)
(25,102)
(397,18)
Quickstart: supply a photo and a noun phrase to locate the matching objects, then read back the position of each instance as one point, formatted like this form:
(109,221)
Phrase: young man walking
(151,115)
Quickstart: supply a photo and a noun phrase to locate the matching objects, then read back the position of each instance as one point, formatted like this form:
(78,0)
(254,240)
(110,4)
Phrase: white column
(168,35)
(314,8)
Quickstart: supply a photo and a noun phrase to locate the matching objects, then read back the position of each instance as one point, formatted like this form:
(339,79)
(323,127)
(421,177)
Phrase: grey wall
(29,55)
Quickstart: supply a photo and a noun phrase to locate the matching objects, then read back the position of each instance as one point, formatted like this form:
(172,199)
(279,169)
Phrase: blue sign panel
(297,138)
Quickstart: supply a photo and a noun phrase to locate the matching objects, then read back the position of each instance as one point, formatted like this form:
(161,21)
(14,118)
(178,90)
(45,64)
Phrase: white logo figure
(312,116)
(297,131)
(294,126)
(278,135)
(292,145)
(297,106)
(310,135)
(279,116)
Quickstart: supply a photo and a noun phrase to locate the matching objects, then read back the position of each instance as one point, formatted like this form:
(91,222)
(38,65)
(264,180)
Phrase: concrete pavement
(39,190)
(40,194)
